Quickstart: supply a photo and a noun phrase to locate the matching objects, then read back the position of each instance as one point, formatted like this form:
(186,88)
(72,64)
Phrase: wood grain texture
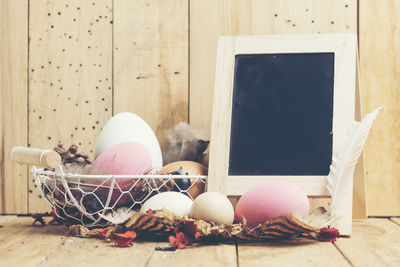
(219,160)
(22,244)
(70,85)
(206,255)
(319,202)
(151,61)
(290,253)
(95,252)
(396,220)
(360,210)
(374,242)
(380,82)
(6,219)
(13,101)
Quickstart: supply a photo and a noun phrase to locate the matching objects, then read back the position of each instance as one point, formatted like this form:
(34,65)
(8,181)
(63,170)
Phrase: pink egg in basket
(124,159)
(269,200)
(129,158)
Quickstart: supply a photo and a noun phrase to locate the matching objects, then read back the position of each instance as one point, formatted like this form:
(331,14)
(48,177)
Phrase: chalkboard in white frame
(339,48)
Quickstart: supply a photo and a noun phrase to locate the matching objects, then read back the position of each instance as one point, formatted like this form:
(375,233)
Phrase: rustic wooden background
(68,65)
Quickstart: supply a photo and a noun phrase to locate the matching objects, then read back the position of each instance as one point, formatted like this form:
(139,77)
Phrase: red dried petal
(123,242)
(180,240)
(197,235)
(150,212)
(127,235)
(124,239)
(103,232)
(328,234)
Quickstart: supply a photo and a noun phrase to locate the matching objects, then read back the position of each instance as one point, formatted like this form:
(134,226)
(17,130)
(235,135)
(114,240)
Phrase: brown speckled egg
(190,168)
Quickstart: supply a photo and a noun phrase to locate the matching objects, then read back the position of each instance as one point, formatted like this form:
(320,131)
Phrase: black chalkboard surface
(282,113)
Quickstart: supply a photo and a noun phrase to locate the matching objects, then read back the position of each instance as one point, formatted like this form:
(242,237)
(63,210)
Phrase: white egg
(175,202)
(213,207)
(128,127)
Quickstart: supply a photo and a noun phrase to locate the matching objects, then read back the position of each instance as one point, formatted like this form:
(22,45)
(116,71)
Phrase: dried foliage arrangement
(184,231)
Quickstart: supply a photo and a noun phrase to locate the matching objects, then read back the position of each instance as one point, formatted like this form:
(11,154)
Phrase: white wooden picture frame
(344,47)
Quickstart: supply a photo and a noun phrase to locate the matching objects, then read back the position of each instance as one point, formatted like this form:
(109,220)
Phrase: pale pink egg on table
(271,199)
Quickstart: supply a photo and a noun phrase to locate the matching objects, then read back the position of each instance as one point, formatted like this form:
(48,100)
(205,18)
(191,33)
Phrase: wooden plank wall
(88,60)
(380,71)
(70,81)
(13,101)
(151,61)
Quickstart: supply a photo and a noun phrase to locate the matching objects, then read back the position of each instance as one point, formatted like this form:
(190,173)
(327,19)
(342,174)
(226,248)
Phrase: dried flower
(189,228)
(179,241)
(185,234)
(328,234)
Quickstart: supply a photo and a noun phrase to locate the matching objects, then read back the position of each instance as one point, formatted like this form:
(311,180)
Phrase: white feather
(318,218)
(340,177)
(119,216)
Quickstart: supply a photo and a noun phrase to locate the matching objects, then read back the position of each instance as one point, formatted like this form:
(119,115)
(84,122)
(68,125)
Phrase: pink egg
(271,199)
(125,158)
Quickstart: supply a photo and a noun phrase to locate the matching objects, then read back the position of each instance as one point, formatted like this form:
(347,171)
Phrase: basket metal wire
(86,199)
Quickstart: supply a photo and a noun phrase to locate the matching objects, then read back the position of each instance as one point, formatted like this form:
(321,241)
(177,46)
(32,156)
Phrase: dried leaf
(78,230)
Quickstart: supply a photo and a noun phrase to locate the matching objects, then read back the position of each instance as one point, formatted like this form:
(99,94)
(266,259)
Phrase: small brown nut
(73,149)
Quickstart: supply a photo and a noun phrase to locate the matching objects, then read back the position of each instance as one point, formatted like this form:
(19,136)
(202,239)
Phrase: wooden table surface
(375,242)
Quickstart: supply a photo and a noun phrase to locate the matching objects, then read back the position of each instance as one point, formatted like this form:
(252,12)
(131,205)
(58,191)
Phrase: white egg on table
(213,207)
(175,202)
(128,127)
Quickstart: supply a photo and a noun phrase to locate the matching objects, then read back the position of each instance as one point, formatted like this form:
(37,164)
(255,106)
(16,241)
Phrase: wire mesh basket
(86,199)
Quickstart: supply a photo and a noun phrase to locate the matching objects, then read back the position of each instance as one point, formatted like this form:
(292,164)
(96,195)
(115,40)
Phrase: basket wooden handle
(34,156)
